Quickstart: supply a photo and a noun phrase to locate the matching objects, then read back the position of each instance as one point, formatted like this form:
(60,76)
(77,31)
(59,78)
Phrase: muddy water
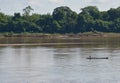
(62,62)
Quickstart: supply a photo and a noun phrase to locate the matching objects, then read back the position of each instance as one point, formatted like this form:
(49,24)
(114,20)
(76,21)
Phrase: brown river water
(35,60)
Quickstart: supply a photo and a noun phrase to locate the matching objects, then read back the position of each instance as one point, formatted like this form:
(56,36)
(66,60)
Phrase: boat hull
(97,58)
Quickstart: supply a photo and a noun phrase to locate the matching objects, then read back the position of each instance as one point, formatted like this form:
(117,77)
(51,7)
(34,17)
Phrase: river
(59,60)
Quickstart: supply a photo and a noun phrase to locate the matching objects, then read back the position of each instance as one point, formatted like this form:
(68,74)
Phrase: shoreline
(74,36)
(41,44)
(57,39)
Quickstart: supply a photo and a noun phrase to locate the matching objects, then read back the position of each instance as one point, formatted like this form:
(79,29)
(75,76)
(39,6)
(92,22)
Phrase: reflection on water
(60,64)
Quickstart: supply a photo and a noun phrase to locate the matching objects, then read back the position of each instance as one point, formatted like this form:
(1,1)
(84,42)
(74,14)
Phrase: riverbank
(79,35)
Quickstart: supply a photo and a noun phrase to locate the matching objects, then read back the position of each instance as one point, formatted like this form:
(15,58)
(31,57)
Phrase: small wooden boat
(97,57)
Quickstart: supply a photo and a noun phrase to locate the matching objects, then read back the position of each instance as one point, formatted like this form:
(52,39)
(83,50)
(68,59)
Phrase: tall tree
(92,11)
(64,17)
(27,10)
(114,13)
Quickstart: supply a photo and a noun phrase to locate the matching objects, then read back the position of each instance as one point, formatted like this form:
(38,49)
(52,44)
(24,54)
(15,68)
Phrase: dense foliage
(63,20)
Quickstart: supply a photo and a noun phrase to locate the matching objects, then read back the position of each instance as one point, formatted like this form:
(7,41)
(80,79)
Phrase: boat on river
(97,57)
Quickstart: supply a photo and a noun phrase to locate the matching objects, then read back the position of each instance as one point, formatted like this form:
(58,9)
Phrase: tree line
(62,20)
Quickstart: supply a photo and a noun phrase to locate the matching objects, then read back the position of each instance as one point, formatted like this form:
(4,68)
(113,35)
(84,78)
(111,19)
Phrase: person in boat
(90,57)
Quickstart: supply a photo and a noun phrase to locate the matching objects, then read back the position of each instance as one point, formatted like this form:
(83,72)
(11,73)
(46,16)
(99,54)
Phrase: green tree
(45,22)
(116,25)
(92,11)
(103,26)
(16,15)
(4,19)
(114,13)
(65,17)
(84,23)
(27,10)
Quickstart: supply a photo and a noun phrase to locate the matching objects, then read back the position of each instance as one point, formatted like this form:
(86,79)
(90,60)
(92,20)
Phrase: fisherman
(89,57)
